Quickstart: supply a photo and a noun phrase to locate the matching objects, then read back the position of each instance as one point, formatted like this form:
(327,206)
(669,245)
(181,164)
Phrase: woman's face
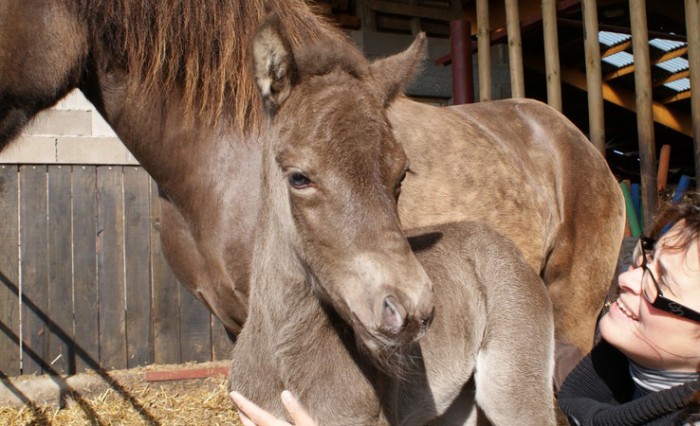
(651,337)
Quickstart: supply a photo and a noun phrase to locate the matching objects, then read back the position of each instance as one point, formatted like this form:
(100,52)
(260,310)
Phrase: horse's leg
(580,268)
(43,47)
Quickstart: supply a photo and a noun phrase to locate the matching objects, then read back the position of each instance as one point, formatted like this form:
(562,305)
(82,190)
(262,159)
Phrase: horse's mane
(200,48)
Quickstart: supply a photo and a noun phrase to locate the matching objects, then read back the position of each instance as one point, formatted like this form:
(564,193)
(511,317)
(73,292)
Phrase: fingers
(295,410)
(252,415)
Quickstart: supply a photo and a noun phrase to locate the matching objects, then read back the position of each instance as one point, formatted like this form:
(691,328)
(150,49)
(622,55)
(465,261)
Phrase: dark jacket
(599,392)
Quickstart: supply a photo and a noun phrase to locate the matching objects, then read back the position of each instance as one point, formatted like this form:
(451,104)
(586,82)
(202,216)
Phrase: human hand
(253,415)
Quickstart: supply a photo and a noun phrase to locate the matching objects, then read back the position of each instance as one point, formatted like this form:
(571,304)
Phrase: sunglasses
(651,289)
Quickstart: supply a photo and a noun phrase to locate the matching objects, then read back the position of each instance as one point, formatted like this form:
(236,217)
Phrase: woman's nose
(631,280)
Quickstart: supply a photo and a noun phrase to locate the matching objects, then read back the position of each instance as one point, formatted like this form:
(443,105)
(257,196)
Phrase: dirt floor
(192,394)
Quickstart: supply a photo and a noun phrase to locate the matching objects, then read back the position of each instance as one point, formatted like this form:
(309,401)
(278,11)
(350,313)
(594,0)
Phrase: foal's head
(334,171)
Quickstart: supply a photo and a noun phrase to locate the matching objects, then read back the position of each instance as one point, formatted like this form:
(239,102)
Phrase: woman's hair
(687,210)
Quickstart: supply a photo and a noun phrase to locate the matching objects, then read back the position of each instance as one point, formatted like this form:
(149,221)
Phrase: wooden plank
(221,344)
(110,267)
(33,256)
(9,272)
(138,274)
(166,293)
(195,330)
(60,274)
(86,310)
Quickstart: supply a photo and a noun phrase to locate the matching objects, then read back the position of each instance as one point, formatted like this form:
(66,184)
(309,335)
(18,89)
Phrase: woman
(646,368)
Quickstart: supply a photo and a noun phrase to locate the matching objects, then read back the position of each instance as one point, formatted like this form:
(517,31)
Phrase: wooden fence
(83,283)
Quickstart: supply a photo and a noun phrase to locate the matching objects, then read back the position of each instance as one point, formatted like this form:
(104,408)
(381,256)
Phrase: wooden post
(515,50)
(551,53)
(692,23)
(594,79)
(484,46)
(645,117)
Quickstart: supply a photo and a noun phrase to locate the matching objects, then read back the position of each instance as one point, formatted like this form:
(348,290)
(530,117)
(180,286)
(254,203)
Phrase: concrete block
(61,122)
(30,149)
(92,150)
(75,100)
(100,127)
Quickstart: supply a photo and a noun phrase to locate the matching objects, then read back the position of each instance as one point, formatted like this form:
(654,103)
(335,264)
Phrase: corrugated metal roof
(625,59)
(610,39)
(679,86)
(666,45)
(619,59)
(674,65)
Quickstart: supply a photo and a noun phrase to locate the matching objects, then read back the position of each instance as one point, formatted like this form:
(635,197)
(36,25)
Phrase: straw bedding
(132,401)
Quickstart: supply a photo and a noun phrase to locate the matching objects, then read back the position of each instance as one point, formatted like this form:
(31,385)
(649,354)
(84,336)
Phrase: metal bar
(462,77)
(645,116)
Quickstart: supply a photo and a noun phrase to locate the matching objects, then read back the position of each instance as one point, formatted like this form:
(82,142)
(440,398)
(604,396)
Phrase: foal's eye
(299,180)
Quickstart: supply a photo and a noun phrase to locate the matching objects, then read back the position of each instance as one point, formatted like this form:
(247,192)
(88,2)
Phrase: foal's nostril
(392,315)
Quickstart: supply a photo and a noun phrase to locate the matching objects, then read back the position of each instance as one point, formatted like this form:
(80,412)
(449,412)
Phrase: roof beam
(675,98)
(677,121)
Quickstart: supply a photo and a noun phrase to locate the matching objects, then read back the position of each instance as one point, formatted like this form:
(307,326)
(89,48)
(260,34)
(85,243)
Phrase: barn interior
(382,27)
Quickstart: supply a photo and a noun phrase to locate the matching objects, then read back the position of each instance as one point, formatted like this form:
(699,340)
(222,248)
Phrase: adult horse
(340,305)
(173,80)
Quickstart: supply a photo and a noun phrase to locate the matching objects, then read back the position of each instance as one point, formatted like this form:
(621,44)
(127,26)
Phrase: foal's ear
(275,69)
(392,74)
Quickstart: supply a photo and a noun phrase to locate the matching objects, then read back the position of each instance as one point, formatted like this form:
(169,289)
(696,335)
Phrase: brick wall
(71,132)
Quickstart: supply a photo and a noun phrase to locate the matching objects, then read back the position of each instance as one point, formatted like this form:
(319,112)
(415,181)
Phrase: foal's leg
(513,384)
(514,369)
(514,366)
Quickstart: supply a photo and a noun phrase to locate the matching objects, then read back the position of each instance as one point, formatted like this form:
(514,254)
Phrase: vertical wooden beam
(415,21)
(551,53)
(9,272)
(86,309)
(594,79)
(484,47)
(692,23)
(515,50)
(139,330)
(60,271)
(33,266)
(166,292)
(110,267)
(367,18)
(645,117)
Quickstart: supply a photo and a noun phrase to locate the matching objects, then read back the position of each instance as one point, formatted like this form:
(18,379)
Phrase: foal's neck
(280,287)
